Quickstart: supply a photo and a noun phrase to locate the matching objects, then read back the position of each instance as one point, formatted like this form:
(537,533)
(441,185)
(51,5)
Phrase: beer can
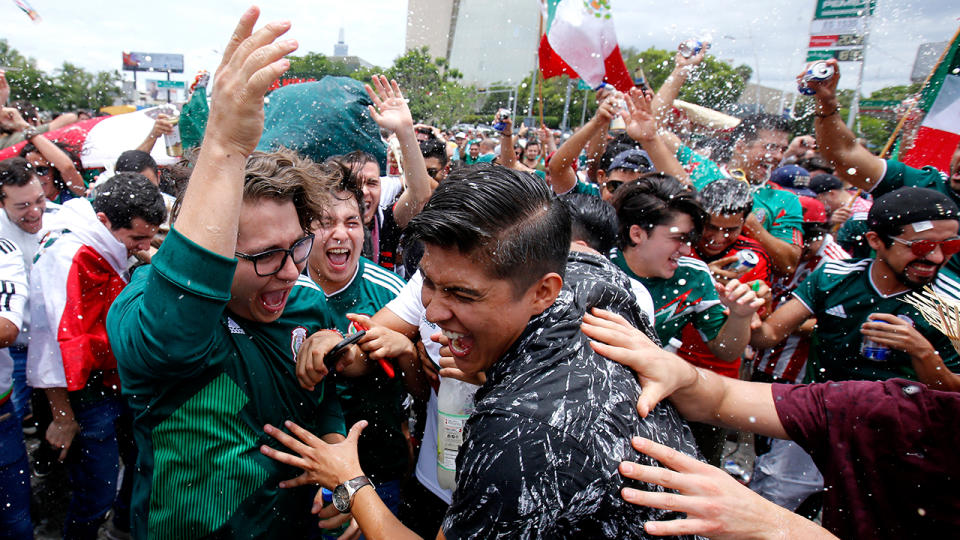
(746,260)
(690,47)
(818,71)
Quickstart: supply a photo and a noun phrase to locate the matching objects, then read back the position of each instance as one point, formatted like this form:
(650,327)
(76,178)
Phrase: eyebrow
(463,290)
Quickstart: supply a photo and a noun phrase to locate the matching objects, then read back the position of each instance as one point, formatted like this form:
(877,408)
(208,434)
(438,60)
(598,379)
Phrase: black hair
(748,129)
(347,183)
(14,172)
(135,161)
(814,230)
(510,220)
(127,196)
(352,163)
(592,220)
(434,148)
(654,200)
(612,151)
(67,149)
(726,196)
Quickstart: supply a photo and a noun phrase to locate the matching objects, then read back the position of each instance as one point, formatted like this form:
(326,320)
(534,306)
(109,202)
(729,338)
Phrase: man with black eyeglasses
(864,329)
(221,333)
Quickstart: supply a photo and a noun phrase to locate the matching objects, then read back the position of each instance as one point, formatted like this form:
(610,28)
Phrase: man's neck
(329,287)
(632,256)
(884,278)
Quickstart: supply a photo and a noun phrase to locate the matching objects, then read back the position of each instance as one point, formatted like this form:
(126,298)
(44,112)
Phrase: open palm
(389,109)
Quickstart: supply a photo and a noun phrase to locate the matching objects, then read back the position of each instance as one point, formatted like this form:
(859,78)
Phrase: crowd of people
(241,344)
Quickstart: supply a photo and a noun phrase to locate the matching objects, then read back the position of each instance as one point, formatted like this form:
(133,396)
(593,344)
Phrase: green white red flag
(939,133)
(580,42)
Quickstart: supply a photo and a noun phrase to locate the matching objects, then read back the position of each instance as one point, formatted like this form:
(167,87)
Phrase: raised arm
(836,142)
(683,67)
(780,324)
(251,62)
(562,175)
(62,162)
(390,111)
(643,127)
(161,126)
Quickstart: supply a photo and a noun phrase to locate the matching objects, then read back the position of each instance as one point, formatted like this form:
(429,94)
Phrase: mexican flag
(939,133)
(580,42)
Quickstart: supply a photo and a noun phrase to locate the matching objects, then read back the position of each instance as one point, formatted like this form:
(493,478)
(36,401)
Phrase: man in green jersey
(209,347)
(914,232)
(659,219)
(857,165)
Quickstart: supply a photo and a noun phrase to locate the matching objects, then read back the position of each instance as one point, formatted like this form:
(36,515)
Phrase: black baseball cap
(910,205)
(823,183)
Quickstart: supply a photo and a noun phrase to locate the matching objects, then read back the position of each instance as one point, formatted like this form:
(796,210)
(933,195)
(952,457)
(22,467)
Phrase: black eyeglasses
(268,263)
(432,173)
(41,170)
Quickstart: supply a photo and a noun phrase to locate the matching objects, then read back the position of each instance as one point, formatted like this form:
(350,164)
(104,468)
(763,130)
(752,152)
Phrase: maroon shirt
(889,452)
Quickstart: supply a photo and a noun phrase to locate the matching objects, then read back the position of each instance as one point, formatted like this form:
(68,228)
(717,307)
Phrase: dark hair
(347,183)
(434,148)
(592,220)
(14,172)
(351,164)
(611,152)
(510,219)
(135,161)
(748,128)
(127,196)
(813,230)
(654,200)
(726,196)
(67,149)
(28,111)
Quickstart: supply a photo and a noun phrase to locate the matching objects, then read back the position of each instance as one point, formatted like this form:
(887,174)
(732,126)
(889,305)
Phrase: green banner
(842,55)
(834,9)
(171,84)
(878,103)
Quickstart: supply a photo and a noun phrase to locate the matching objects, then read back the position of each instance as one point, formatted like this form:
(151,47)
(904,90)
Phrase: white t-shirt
(390,189)
(408,305)
(13,299)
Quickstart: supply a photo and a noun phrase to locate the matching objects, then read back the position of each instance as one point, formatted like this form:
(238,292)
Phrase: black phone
(330,359)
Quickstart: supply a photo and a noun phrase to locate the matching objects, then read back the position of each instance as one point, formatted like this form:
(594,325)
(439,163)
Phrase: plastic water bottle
(454,406)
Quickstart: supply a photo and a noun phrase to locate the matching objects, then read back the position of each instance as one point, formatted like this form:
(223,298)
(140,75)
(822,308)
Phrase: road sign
(826,27)
(842,55)
(835,41)
(171,84)
(140,61)
(878,103)
(832,9)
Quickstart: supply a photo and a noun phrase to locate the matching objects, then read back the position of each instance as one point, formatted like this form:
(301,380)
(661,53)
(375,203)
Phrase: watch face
(341,499)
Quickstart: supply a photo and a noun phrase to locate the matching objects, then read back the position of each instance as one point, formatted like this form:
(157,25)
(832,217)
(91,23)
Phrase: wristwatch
(343,494)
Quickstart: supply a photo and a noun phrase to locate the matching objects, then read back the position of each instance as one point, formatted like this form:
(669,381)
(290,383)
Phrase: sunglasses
(921,248)
(612,185)
(432,173)
(41,170)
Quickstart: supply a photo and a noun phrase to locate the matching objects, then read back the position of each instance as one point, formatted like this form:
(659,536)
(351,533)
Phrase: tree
(715,84)
(432,88)
(70,88)
(318,65)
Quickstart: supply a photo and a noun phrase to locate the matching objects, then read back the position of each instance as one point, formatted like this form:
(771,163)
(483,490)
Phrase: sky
(94,33)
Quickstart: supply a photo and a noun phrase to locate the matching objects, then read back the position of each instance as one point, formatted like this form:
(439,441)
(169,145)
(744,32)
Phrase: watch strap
(353,485)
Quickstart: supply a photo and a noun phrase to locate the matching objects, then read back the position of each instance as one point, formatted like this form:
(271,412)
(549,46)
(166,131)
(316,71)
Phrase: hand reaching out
(389,109)
(682,62)
(641,122)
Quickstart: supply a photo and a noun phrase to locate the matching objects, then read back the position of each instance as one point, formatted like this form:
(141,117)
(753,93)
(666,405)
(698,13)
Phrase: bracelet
(836,110)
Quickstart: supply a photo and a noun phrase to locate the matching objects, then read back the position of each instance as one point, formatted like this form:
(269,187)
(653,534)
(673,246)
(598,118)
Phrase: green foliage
(715,84)
(69,88)
(318,65)
(434,95)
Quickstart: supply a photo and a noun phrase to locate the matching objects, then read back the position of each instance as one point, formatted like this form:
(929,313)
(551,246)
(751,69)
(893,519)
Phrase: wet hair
(347,184)
(654,200)
(748,130)
(351,164)
(135,161)
(813,231)
(508,221)
(283,175)
(14,172)
(592,220)
(28,111)
(434,148)
(726,196)
(127,196)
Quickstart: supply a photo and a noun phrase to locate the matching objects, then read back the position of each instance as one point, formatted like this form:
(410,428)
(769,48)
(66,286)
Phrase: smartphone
(330,359)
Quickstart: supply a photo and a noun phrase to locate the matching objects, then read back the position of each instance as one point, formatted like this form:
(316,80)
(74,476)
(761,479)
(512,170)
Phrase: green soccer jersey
(899,175)
(778,210)
(841,295)
(690,296)
(202,384)
(374,397)
(587,188)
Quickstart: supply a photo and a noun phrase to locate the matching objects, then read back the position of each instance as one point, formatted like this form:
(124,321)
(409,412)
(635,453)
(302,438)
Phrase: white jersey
(13,299)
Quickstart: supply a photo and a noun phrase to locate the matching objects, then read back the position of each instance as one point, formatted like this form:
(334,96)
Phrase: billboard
(139,61)
(833,9)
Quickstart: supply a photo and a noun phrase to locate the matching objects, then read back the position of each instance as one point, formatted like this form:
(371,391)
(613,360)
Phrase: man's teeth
(338,251)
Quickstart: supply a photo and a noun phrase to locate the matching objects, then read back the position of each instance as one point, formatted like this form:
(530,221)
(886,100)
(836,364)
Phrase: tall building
(340,47)
(489,41)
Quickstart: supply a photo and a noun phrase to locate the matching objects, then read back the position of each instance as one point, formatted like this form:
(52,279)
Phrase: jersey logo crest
(297,338)
(234,327)
(682,304)
(761,214)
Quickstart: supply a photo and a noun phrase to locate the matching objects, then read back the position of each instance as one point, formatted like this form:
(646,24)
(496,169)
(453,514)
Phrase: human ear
(545,292)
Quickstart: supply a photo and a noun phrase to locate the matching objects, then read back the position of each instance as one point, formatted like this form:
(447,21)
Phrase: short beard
(915,285)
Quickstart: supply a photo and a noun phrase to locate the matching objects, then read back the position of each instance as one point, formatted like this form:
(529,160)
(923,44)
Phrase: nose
(289,271)
(936,256)
(437,311)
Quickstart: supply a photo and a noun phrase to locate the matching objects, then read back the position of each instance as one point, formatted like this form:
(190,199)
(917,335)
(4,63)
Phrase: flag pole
(903,118)
(537,73)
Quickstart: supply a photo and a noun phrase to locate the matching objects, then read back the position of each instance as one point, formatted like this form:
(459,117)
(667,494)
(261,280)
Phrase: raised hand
(251,62)
(389,109)
(689,63)
(641,122)
(322,463)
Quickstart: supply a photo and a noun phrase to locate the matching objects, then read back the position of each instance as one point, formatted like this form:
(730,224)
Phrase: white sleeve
(644,300)
(408,304)
(13,283)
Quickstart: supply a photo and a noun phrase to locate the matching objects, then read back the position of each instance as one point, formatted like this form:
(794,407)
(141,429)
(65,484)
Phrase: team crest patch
(761,214)
(234,327)
(297,337)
